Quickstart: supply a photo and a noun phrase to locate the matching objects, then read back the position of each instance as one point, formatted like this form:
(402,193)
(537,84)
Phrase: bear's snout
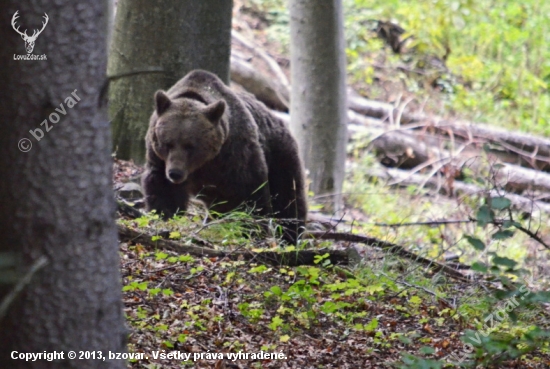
(176,175)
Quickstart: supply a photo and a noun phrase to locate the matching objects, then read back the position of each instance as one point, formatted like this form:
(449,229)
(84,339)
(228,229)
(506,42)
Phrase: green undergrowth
(234,229)
(386,305)
(484,60)
(490,239)
(495,52)
(387,310)
(392,214)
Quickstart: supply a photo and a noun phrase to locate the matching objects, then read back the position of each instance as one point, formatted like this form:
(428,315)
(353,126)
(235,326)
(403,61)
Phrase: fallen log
(402,150)
(410,149)
(273,65)
(379,110)
(514,178)
(290,258)
(397,148)
(515,148)
(254,82)
(401,178)
(531,151)
(527,150)
(391,248)
(277,96)
(359,124)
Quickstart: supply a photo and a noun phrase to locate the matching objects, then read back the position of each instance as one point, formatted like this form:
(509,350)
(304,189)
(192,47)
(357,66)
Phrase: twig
(441,161)
(401,110)
(430,223)
(528,232)
(8,300)
(147,70)
(392,248)
(419,288)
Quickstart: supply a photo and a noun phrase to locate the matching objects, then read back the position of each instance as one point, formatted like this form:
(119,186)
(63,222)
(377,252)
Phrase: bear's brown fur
(224,147)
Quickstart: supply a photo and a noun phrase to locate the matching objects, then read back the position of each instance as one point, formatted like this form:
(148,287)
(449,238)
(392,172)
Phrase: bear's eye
(189,147)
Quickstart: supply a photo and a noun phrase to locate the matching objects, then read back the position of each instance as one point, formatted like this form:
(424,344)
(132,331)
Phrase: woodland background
(437,258)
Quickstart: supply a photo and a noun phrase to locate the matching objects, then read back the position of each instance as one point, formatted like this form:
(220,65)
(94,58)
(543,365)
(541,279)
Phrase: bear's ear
(162,102)
(214,111)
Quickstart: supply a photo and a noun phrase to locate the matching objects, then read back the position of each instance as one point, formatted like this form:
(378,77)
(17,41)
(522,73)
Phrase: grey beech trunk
(318,97)
(60,285)
(155,43)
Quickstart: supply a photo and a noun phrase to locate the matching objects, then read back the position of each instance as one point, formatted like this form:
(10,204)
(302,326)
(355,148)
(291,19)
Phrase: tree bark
(402,178)
(318,98)
(408,150)
(377,109)
(515,147)
(57,208)
(508,146)
(514,178)
(155,43)
(529,150)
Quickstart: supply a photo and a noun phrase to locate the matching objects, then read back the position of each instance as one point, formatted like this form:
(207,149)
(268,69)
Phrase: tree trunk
(57,210)
(155,43)
(318,97)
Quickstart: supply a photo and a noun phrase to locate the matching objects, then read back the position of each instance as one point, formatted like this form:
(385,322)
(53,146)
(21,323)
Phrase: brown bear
(227,149)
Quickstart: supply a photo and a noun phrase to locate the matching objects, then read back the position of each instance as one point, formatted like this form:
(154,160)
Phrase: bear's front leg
(163,196)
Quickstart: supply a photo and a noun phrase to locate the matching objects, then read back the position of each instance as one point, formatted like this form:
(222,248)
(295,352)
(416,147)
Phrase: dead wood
(510,146)
(397,177)
(276,94)
(411,149)
(517,179)
(392,248)
(291,258)
(128,211)
(254,82)
(402,149)
(407,149)
(273,65)
(526,150)
(379,110)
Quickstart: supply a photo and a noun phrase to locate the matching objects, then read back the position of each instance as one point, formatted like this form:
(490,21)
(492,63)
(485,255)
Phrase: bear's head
(186,134)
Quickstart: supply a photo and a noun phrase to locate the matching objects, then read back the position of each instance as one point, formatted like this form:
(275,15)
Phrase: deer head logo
(29,40)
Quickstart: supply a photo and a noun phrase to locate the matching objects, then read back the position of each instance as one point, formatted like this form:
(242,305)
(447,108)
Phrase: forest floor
(315,316)
(385,312)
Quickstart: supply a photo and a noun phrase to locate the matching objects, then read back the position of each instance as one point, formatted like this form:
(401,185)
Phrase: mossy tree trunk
(155,43)
(60,286)
(318,97)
